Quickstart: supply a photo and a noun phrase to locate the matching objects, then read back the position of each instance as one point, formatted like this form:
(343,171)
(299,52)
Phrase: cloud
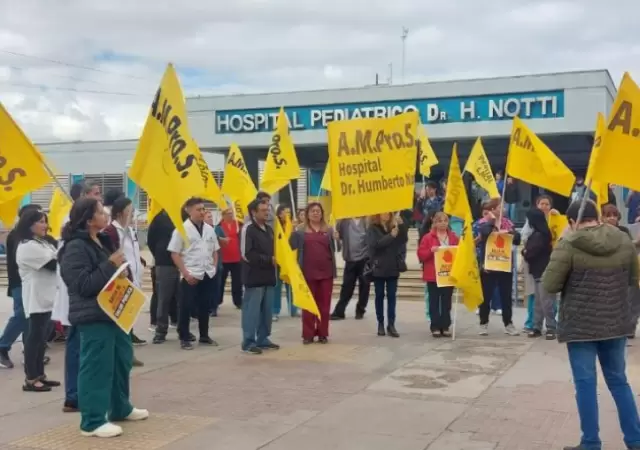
(253,46)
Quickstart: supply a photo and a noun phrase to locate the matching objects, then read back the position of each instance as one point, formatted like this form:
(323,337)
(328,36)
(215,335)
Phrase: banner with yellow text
(465,272)
(427,157)
(166,163)
(618,158)
(237,183)
(281,165)
(373,165)
(22,168)
(530,160)
(121,300)
(599,188)
(59,209)
(456,202)
(444,258)
(498,253)
(557,224)
(478,166)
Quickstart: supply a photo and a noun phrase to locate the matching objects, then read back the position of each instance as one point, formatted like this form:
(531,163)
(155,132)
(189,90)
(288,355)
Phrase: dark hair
(29,207)
(119,205)
(76,190)
(611,210)
(193,201)
(491,204)
(262,195)
(111,196)
(544,197)
(590,211)
(82,212)
(23,228)
(253,206)
(281,207)
(432,184)
(313,205)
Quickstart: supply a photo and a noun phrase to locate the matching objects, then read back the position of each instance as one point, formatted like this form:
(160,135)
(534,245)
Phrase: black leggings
(35,343)
(439,306)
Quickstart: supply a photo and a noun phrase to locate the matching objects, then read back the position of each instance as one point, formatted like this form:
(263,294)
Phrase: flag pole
(504,188)
(455,314)
(56,181)
(583,202)
(293,203)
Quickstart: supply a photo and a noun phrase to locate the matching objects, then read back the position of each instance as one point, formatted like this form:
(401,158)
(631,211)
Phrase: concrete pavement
(360,391)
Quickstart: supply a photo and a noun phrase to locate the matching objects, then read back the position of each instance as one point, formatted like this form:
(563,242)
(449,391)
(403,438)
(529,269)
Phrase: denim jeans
(17,323)
(391,285)
(511,211)
(277,298)
(72,366)
(611,354)
(257,313)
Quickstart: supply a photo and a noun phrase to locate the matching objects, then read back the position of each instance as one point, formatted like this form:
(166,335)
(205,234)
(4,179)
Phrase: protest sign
(373,165)
(499,252)
(121,300)
(444,257)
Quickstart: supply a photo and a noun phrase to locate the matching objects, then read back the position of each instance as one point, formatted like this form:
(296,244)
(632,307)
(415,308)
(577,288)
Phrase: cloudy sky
(87,69)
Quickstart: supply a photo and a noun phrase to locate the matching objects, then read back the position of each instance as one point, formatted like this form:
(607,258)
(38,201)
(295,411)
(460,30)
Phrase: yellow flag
(237,183)
(465,272)
(619,158)
(153,209)
(281,165)
(285,258)
(427,157)
(599,188)
(211,191)
(373,165)
(456,202)
(478,166)
(287,229)
(557,224)
(9,212)
(58,211)
(326,179)
(531,161)
(166,160)
(22,168)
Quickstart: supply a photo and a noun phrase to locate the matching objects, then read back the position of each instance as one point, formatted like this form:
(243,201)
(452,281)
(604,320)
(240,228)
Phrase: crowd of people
(594,259)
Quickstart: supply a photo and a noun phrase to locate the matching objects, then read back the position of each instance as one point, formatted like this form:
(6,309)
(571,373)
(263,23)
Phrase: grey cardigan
(297,243)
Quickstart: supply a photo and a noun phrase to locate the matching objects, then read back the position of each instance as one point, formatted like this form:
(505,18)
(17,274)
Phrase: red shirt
(426,256)
(231,251)
(316,256)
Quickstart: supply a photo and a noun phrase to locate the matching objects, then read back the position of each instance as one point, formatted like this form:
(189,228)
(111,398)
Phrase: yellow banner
(619,158)
(166,160)
(499,252)
(530,160)
(58,211)
(456,202)
(557,224)
(478,166)
(427,157)
(600,189)
(373,165)
(121,300)
(465,272)
(153,209)
(9,212)
(281,165)
(326,178)
(211,191)
(444,258)
(22,167)
(237,183)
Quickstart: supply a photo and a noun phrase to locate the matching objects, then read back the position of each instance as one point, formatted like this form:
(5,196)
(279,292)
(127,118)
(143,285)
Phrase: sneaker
(186,345)
(478,312)
(135,340)
(336,317)
(208,341)
(550,336)
(253,350)
(484,330)
(152,328)
(213,314)
(159,339)
(269,346)
(498,312)
(173,325)
(70,407)
(527,330)
(307,341)
(323,340)
(511,330)
(5,361)
(192,337)
(137,415)
(108,430)
(534,334)
(275,318)
(359,316)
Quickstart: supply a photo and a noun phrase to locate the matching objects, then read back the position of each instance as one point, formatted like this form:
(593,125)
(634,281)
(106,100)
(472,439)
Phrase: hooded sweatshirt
(594,268)
(537,249)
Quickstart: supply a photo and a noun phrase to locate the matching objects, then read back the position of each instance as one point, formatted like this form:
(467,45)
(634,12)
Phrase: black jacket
(385,251)
(86,269)
(511,194)
(12,265)
(158,237)
(258,268)
(539,246)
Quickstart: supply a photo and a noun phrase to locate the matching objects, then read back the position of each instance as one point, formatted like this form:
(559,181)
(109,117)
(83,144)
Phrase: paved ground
(359,392)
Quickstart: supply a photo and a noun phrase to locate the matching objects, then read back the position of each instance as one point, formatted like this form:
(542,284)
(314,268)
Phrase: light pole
(405,33)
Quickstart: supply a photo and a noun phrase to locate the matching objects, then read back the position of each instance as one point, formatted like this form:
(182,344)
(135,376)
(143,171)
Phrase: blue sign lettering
(530,105)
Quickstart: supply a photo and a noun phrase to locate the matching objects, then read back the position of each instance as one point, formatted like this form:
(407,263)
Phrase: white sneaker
(137,414)
(484,330)
(275,318)
(478,312)
(511,330)
(498,312)
(108,430)
(152,328)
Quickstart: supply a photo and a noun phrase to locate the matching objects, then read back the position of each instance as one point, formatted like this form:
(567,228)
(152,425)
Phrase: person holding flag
(316,248)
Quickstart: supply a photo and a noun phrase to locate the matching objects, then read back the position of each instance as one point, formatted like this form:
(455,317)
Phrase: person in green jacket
(595,267)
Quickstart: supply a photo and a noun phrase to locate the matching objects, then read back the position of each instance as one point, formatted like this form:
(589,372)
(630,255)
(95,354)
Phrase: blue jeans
(257,313)
(391,285)
(611,354)
(17,323)
(511,211)
(72,366)
(496,303)
(277,298)
(528,324)
(426,301)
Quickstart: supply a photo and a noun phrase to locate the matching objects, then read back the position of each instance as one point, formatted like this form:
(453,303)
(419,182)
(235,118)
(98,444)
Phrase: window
(43,195)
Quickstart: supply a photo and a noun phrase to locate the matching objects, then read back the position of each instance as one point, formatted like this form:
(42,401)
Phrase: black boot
(391,331)
(381,329)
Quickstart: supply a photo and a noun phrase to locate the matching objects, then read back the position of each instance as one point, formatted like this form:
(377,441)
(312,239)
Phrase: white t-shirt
(38,284)
(60,311)
(198,256)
